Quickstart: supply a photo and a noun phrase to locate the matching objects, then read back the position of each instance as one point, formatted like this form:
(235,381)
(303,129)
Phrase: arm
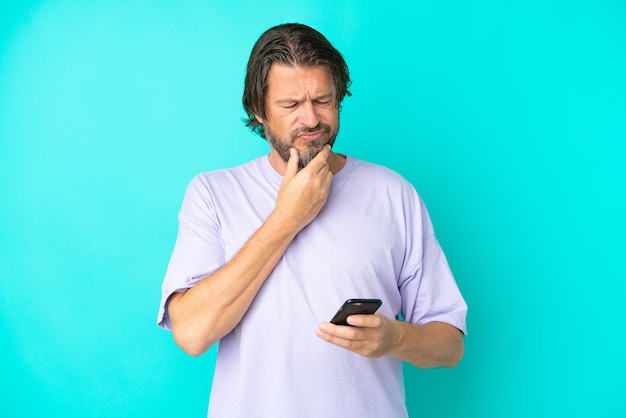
(435,344)
(206,312)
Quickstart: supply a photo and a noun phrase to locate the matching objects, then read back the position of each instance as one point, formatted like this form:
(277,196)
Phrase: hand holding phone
(355,307)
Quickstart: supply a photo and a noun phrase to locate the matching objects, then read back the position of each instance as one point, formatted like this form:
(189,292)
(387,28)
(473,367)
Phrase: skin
(301,112)
(301,116)
(208,311)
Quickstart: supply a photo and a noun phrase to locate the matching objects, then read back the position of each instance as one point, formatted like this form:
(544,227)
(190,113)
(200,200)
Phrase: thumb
(292,164)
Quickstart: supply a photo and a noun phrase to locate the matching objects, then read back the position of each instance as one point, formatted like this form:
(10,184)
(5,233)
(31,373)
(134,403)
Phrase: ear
(259,118)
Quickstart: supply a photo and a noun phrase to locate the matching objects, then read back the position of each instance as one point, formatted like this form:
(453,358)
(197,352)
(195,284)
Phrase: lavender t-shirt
(372,239)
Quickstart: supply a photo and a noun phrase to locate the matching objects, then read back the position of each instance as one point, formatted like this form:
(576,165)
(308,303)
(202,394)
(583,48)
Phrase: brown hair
(291,44)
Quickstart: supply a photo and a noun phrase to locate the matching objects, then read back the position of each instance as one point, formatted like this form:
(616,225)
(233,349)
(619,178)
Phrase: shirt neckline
(273,176)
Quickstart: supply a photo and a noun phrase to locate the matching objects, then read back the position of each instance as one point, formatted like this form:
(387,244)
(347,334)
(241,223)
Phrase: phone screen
(355,307)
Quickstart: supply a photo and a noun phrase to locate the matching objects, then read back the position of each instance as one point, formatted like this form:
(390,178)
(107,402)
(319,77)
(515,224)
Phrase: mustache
(320,127)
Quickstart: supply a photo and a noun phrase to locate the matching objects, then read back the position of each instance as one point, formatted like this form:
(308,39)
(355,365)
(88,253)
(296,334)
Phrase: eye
(290,105)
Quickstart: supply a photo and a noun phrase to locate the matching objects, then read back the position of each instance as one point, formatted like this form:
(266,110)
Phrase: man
(267,252)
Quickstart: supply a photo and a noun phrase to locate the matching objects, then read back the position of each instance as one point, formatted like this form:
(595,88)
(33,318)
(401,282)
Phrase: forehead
(296,80)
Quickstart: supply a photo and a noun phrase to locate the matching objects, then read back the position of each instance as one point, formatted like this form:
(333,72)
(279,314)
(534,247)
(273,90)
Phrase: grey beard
(283,146)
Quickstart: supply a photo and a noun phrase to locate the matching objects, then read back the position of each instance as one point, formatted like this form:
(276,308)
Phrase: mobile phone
(355,307)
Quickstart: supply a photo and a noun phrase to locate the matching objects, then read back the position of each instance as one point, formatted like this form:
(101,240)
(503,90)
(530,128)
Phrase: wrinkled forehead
(293,79)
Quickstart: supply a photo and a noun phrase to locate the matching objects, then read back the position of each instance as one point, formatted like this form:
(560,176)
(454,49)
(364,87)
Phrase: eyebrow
(288,100)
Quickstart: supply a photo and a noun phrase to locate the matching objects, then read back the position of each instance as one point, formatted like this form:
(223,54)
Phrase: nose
(309,116)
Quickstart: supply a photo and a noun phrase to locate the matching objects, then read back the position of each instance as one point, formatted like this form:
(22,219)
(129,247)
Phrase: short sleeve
(429,290)
(198,251)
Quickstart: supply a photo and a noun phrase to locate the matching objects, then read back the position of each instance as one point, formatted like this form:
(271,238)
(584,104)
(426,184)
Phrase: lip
(311,136)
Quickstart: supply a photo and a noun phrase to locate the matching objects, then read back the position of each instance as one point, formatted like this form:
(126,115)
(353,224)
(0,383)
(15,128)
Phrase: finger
(334,333)
(319,162)
(364,321)
(292,164)
(325,152)
(329,177)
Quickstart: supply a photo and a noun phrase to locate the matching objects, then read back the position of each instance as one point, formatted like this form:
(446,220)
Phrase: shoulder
(204,186)
(383,186)
(224,177)
(376,174)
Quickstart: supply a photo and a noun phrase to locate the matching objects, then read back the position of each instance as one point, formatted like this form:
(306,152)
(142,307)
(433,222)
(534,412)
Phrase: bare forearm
(211,309)
(435,344)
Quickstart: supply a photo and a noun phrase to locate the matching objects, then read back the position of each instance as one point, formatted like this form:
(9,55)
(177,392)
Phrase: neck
(336,162)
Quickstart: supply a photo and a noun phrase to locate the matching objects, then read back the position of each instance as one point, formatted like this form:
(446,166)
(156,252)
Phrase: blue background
(508,117)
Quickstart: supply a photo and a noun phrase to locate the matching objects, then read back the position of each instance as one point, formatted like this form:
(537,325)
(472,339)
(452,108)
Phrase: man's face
(301,111)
